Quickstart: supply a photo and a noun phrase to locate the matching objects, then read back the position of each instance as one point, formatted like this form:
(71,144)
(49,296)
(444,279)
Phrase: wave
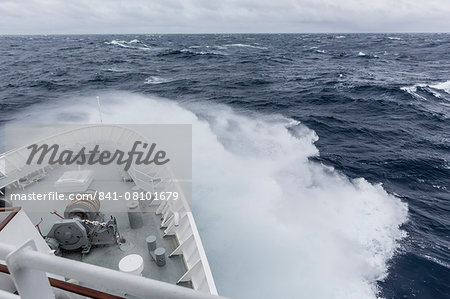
(116,70)
(364,55)
(437,261)
(340,36)
(445,86)
(255,190)
(393,38)
(434,89)
(189,52)
(412,90)
(246,46)
(210,47)
(156,80)
(121,43)
(203,52)
(432,98)
(130,44)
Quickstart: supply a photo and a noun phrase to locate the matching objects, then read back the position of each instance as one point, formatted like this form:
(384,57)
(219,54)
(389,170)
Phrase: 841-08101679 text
(100,195)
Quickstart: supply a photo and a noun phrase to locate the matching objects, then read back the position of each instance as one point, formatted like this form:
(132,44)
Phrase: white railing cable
(25,263)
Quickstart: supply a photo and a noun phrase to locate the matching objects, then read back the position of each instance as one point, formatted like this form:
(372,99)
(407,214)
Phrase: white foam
(437,261)
(412,90)
(246,46)
(445,86)
(156,80)
(202,52)
(128,44)
(321,51)
(119,43)
(393,38)
(361,54)
(442,86)
(273,224)
(116,70)
(340,36)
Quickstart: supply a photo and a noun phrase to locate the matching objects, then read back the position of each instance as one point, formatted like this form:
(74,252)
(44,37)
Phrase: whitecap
(361,54)
(202,52)
(412,90)
(116,70)
(445,86)
(119,43)
(246,46)
(431,88)
(129,44)
(393,38)
(156,80)
(340,36)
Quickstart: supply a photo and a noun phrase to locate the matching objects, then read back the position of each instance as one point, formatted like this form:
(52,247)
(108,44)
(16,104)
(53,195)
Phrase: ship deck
(107,178)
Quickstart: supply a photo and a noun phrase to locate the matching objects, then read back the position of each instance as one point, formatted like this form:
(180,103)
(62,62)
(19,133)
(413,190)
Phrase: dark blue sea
(325,158)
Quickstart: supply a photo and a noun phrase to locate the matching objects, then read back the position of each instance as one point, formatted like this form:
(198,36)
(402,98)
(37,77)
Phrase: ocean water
(321,161)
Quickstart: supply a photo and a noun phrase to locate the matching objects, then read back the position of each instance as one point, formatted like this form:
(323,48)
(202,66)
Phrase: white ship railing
(177,219)
(28,268)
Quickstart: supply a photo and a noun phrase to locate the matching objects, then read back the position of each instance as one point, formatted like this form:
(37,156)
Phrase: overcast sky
(222,16)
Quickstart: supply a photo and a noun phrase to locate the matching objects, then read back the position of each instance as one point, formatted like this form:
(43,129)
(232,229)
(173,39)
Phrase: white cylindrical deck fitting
(132,264)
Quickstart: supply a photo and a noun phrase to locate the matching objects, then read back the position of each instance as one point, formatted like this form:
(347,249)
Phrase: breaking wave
(273,223)
(156,80)
(445,86)
(132,44)
(435,89)
(246,46)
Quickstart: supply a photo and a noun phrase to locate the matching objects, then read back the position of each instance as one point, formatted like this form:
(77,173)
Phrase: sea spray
(273,223)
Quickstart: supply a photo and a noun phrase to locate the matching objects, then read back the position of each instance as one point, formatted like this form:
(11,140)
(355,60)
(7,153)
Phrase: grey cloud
(208,16)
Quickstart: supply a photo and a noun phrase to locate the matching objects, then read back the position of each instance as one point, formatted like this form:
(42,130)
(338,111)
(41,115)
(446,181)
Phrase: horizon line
(220,33)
